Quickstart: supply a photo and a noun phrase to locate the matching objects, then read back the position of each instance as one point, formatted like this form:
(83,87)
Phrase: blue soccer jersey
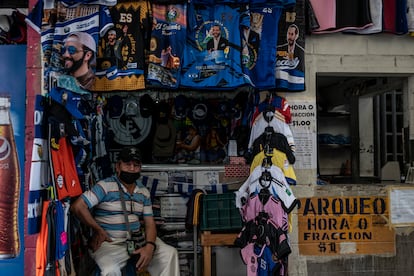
(290,64)
(212,57)
(259,44)
(166,45)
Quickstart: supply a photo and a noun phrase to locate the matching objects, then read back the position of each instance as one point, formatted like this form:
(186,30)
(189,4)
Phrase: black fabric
(241,134)
(51,242)
(273,140)
(352,13)
(311,20)
(58,115)
(246,234)
(190,208)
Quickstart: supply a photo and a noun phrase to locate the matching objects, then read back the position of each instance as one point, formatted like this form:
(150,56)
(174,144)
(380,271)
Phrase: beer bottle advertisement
(12,149)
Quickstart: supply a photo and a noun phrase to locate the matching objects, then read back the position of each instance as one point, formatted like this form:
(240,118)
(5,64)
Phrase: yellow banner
(344,225)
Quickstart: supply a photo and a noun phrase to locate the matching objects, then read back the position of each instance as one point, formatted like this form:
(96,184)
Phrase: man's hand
(146,253)
(98,238)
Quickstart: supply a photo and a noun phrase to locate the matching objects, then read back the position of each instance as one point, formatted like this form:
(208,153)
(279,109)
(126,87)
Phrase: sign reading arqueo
(344,225)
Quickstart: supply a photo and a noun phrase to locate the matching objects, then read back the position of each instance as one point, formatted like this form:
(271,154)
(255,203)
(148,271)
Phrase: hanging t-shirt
(39,168)
(167,45)
(100,2)
(260,124)
(395,16)
(375,9)
(279,159)
(347,18)
(125,71)
(290,57)
(276,184)
(259,44)
(348,14)
(273,207)
(280,104)
(410,16)
(325,12)
(250,257)
(54,20)
(212,56)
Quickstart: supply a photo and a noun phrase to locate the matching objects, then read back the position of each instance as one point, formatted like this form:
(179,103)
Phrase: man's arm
(150,229)
(195,143)
(147,251)
(81,210)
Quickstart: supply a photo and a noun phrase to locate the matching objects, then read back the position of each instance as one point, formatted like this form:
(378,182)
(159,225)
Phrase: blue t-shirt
(259,44)
(214,63)
(167,45)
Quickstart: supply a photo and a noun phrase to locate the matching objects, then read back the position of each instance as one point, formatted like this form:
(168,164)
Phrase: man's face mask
(129,177)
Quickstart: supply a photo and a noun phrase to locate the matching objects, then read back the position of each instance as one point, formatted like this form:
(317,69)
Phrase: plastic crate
(220,213)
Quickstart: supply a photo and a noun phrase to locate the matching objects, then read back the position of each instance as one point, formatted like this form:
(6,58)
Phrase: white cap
(84,38)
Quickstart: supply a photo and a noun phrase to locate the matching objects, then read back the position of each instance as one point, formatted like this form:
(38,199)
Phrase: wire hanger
(267,161)
(264,196)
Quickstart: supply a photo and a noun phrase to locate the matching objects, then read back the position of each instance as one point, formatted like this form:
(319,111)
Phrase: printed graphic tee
(167,45)
(55,21)
(212,57)
(122,69)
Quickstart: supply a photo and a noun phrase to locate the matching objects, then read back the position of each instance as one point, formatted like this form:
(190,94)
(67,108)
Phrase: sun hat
(164,139)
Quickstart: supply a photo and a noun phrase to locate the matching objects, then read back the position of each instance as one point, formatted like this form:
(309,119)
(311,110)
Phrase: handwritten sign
(304,128)
(401,206)
(344,225)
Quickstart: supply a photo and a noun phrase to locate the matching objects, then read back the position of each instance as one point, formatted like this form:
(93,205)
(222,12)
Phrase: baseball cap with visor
(128,154)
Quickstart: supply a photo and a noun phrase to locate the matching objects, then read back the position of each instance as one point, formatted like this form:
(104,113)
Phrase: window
(360,128)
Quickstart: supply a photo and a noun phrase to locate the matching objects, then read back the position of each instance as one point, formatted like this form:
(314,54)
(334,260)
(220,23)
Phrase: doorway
(360,127)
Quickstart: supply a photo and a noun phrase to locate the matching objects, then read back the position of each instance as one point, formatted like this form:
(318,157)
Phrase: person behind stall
(188,150)
(102,210)
(78,55)
(214,147)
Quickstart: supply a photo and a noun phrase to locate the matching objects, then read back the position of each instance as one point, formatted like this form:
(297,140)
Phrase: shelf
(335,145)
(333,114)
(347,179)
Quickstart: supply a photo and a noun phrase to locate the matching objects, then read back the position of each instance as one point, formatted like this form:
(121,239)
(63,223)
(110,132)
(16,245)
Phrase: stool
(208,240)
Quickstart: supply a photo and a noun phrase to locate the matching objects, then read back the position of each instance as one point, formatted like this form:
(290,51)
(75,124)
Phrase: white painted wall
(355,55)
(351,55)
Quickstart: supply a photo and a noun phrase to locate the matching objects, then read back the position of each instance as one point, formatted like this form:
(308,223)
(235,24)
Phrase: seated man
(115,216)
(189,149)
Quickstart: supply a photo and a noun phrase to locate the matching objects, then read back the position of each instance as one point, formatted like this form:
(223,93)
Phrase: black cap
(130,154)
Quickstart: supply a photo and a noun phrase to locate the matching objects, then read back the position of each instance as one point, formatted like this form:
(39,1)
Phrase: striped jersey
(105,198)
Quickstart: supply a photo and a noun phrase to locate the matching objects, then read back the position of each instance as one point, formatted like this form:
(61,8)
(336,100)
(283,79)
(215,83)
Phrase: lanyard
(121,195)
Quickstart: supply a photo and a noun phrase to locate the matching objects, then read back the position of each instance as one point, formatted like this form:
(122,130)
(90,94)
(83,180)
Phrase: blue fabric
(169,31)
(61,234)
(259,52)
(219,69)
